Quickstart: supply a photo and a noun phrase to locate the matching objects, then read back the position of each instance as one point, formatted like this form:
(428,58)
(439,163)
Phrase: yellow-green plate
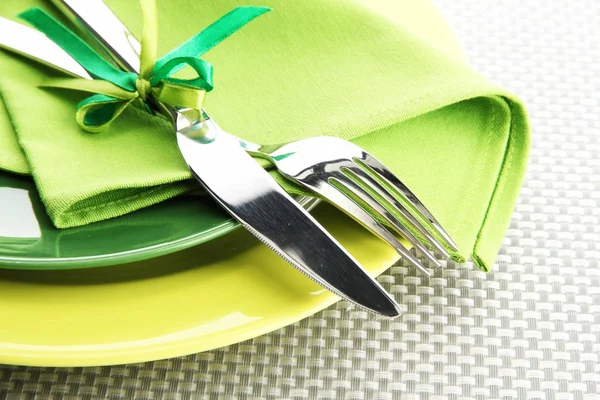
(224,291)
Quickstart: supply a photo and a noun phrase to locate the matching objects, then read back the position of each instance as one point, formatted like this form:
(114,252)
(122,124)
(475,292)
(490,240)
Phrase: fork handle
(96,19)
(101,24)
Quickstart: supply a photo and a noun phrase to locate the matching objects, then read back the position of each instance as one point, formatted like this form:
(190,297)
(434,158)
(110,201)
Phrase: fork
(353,180)
(336,170)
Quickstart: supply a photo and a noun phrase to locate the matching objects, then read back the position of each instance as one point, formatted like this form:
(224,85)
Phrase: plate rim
(121,257)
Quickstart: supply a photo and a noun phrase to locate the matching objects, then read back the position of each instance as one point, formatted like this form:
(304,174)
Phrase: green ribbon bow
(154,86)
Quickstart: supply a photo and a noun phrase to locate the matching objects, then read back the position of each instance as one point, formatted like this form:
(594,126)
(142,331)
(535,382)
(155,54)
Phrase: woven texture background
(528,330)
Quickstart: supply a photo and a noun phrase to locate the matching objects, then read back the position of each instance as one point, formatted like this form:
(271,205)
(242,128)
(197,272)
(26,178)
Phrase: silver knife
(242,187)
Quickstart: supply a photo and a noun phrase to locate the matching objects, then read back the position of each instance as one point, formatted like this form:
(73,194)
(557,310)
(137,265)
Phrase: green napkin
(348,68)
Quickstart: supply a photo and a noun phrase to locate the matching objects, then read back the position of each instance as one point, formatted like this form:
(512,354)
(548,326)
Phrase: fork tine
(368,180)
(376,166)
(341,200)
(364,196)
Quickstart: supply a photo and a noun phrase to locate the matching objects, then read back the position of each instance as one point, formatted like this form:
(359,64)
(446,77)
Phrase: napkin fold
(349,68)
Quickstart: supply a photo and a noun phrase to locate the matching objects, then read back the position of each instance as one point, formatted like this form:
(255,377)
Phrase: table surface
(528,330)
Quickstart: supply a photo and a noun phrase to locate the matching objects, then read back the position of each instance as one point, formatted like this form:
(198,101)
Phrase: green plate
(28,240)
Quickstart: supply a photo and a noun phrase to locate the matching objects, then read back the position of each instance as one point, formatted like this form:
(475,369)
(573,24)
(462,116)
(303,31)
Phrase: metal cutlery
(356,182)
(244,189)
(334,169)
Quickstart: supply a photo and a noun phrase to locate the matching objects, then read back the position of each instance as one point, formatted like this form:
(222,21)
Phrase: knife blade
(270,214)
(251,196)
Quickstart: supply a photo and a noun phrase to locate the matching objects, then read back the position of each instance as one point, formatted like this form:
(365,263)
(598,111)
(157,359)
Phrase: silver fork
(336,170)
(347,176)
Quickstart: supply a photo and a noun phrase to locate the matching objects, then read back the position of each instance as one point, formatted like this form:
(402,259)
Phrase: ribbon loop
(203,68)
(115,90)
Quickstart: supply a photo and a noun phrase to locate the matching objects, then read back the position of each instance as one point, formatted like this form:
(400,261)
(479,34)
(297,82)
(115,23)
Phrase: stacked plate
(172,279)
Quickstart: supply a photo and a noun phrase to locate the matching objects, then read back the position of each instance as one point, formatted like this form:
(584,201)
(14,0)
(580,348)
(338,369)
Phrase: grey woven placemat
(528,330)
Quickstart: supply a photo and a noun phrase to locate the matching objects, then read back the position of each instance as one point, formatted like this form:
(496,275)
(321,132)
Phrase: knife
(241,186)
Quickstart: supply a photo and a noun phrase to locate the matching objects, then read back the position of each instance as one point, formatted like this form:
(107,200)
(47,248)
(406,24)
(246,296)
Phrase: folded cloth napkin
(347,68)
